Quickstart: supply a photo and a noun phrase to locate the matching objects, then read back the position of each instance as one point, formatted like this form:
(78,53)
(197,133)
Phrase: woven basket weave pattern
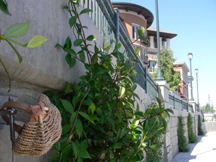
(37,139)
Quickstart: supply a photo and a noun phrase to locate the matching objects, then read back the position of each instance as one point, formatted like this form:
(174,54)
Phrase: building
(185,83)
(134,17)
(165,37)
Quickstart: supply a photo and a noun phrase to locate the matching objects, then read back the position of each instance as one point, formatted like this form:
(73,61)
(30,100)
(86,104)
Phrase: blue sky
(194,22)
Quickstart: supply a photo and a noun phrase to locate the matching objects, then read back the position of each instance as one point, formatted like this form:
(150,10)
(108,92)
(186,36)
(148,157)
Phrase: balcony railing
(179,104)
(104,18)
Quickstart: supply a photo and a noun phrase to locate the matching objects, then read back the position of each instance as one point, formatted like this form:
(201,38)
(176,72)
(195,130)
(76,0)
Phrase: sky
(194,22)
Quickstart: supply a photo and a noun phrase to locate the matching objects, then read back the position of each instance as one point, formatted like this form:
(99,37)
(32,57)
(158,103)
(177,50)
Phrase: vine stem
(83,34)
(88,142)
(7,72)
(4,38)
(72,128)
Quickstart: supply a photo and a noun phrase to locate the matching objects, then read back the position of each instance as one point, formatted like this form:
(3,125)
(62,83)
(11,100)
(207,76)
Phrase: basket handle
(27,108)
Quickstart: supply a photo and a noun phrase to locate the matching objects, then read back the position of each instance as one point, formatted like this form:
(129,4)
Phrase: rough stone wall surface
(173,127)
(208,126)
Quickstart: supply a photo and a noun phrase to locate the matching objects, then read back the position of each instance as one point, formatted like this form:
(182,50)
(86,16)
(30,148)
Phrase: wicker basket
(37,136)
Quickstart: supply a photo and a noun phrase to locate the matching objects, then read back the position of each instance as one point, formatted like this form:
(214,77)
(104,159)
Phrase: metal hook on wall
(10,111)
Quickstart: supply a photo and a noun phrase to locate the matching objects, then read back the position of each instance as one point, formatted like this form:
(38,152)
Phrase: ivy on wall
(200,131)
(191,136)
(182,140)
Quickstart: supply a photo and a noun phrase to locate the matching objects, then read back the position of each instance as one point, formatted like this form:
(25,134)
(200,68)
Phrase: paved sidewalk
(202,151)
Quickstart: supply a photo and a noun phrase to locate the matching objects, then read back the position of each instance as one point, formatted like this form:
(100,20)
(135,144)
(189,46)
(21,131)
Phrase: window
(152,65)
(134,31)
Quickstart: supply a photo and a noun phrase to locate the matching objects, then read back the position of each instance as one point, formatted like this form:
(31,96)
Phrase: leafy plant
(15,31)
(182,140)
(4,7)
(100,121)
(155,154)
(192,137)
(200,131)
(172,77)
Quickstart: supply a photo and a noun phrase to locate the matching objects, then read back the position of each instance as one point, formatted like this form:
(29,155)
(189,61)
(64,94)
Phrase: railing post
(187,107)
(146,80)
(182,105)
(174,101)
(117,24)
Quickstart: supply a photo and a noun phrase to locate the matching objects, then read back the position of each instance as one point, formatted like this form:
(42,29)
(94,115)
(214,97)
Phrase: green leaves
(91,109)
(14,31)
(4,7)
(86,10)
(91,38)
(82,56)
(140,31)
(117,146)
(86,116)
(36,41)
(78,42)
(17,53)
(121,91)
(72,21)
(67,105)
(105,125)
(17,30)
(137,50)
(71,61)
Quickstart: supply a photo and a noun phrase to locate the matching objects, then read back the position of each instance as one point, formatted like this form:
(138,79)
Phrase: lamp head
(196,70)
(190,56)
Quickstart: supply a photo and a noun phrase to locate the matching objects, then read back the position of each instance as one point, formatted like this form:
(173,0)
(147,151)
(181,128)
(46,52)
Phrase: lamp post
(196,71)
(159,74)
(190,56)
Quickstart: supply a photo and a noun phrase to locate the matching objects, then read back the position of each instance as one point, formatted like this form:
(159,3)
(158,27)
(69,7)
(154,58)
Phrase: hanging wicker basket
(37,136)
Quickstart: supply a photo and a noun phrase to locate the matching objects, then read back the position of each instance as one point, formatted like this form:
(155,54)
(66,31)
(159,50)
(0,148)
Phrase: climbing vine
(100,119)
(182,140)
(191,136)
(200,131)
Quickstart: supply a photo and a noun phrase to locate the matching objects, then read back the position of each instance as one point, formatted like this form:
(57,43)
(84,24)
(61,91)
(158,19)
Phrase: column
(152,42)
(168,43)
(161,42)
(163,94)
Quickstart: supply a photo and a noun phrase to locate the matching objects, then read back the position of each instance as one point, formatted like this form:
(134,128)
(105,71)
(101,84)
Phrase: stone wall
(208,126)
(43,68)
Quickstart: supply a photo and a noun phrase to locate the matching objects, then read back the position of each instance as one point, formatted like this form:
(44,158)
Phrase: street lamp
(159,74)
(190,56)
(196,71)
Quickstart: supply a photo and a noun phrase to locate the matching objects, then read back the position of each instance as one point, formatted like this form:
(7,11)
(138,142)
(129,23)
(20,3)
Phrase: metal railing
(197,107)
(104,18)
(152,87)
(179,104)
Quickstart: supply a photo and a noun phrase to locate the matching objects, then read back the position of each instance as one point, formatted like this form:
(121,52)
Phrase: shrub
(155,154)
(200,131)
(191,136)
(100,122)
(182,140)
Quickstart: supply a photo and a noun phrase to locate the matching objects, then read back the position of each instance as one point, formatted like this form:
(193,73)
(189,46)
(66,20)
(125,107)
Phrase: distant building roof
(181,63)
(140,10)
(163,33)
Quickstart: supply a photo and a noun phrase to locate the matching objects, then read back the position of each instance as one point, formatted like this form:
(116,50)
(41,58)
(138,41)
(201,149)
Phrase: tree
(207,108)
(172,77)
